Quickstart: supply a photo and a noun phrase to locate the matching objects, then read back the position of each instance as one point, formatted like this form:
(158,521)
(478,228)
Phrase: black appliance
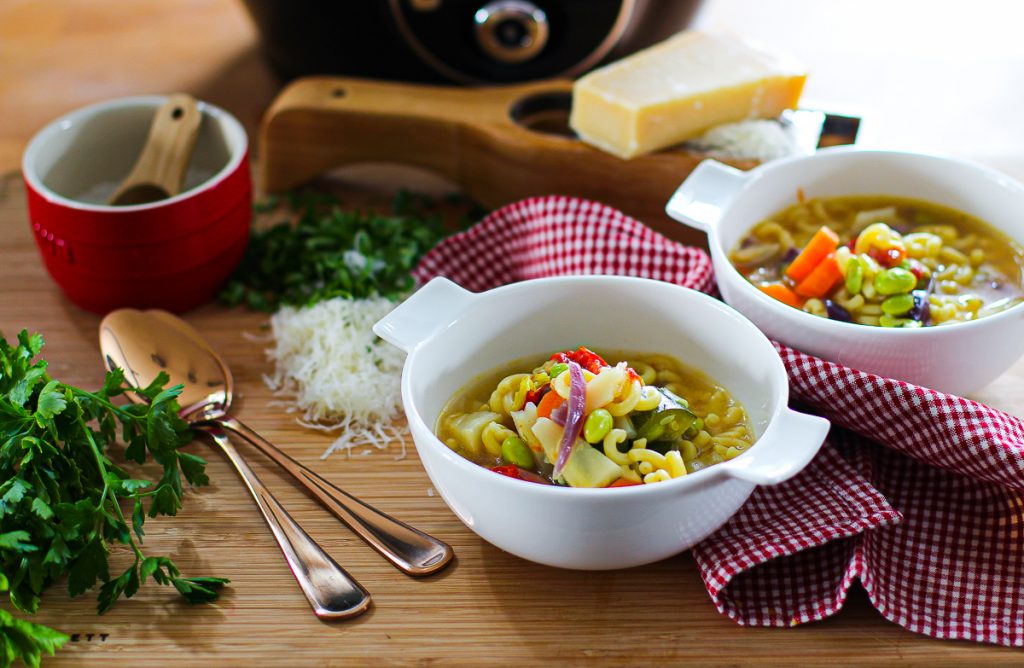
(461,41)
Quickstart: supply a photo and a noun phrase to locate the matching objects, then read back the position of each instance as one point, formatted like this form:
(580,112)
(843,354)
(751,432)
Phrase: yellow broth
(725,431)
(975,271)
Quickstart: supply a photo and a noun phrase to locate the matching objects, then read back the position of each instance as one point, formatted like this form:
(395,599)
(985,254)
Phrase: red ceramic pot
(171,254)
(175,291)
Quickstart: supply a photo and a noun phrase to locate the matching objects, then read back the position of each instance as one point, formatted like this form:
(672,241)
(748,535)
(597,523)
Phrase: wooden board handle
(321,122)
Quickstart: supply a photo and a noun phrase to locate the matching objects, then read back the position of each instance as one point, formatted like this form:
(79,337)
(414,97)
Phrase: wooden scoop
(160,170)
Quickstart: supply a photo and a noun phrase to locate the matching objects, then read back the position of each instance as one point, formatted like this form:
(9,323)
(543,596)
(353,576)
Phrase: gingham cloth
(916,494)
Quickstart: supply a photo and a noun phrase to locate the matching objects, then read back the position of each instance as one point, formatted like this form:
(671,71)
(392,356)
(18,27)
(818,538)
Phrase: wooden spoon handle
(165,157)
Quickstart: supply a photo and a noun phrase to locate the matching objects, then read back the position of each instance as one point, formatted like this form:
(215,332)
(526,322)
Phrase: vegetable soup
(882,260)
(575,419)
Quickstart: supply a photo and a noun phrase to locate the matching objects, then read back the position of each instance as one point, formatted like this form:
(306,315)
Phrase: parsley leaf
(61,493)
(328,252)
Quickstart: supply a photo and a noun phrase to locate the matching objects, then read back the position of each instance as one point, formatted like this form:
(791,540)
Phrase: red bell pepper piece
(585,357)
(887,257)
(513,471)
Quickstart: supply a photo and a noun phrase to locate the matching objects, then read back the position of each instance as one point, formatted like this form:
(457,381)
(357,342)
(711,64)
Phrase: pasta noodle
(948,252)
(502,399)
(662,420)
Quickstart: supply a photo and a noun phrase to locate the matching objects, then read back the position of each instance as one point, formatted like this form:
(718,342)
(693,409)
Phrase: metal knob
(511,31)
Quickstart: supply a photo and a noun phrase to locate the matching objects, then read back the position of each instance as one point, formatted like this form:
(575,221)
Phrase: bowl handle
(427,310)
(793,443)
(706,192)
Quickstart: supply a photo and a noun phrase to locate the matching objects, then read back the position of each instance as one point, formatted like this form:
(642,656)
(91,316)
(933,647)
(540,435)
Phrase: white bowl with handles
(956,358)
(453,336)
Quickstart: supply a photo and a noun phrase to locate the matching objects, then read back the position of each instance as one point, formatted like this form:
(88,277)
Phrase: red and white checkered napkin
(917,494)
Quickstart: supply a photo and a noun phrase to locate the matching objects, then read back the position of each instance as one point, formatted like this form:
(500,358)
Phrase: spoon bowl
(330,590)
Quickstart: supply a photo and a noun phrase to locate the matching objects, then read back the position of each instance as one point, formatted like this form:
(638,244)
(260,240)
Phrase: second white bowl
(957,358)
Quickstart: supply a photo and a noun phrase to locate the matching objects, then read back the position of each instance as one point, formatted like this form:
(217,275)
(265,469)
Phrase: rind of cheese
(679,88)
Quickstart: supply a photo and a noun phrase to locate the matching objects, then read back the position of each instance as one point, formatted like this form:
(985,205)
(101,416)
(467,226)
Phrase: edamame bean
(854,275)
(597,426)
(514,451)
(887,320)
(894,281)
(558,369)
(898,304)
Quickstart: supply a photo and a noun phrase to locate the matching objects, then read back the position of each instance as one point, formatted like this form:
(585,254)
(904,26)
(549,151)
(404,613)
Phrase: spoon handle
(330,590)
(165,157)
(410,550)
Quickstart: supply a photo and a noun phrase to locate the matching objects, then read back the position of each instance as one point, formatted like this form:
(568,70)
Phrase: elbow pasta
(493,435)
(646,371)
(631,395)
(649,400)
(611,447)
(963,267)
(486,421)
(503,398)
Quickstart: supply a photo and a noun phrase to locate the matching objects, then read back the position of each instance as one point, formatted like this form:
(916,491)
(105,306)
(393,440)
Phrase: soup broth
(645,418)
(882,260)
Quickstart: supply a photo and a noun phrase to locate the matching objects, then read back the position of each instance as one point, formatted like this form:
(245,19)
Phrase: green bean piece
(597,425)
(515,451)
(558,369)
(894,281)
(673,397)
(854,275)
(898,304)
(668,424)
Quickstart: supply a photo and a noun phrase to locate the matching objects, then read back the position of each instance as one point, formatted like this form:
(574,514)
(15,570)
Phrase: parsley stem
(117,410)
(98,456)
(106,486)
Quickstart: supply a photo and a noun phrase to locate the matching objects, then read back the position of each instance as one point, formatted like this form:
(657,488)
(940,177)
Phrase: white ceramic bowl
(957,358)
(453,336)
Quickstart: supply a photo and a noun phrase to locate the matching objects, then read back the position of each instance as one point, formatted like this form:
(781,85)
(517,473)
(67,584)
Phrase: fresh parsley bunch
(329,252)
(63,500)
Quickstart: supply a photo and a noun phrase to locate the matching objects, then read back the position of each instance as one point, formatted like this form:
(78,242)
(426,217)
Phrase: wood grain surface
(941,76)
(488,607)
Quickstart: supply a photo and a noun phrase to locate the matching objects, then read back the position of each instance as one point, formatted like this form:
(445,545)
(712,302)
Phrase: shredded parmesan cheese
(762,140)
(330,365)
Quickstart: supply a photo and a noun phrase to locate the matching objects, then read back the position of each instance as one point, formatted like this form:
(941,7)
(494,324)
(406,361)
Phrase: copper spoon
(160,169)
(332,593)
(145,343)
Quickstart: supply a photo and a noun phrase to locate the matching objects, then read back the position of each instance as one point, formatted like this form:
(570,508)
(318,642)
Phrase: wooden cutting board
(487,608)
(498,144)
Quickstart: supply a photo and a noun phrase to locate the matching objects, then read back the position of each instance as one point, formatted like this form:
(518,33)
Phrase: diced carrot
(782,293)
(821,244)
(550,402)
(624,482)
(822,279)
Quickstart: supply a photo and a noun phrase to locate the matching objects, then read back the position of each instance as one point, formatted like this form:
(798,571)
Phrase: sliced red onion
(576,403)
(922,307)
(837,312)
(558,415)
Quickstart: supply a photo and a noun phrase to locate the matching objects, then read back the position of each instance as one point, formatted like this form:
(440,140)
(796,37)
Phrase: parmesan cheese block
(679,88)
